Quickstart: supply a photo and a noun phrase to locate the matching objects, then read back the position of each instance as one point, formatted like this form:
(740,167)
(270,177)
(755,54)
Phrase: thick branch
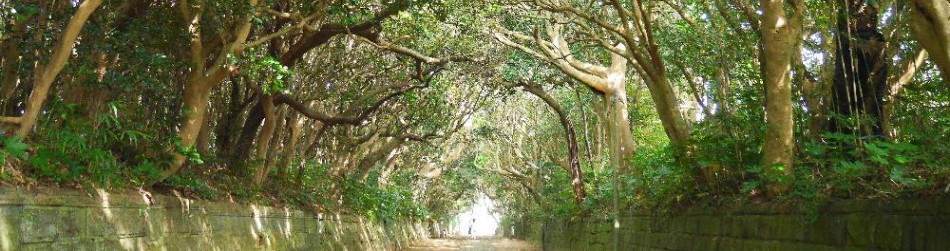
(319,37)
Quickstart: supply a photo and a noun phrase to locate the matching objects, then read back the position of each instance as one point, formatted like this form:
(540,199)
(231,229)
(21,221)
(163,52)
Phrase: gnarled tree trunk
(201,79)
(196,99)
(930,23)
(577,175)
(263,141)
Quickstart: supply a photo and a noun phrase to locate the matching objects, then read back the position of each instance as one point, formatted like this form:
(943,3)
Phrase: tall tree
(781,36)
(570,135)
(633,25)
(609,81)
(860,78)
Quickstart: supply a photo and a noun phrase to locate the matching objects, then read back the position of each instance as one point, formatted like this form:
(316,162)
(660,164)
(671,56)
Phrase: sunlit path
(468,244)
(479,220)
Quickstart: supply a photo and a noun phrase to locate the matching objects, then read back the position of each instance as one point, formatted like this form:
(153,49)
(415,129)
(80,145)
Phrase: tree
(780,41)
(860,69)
(206,74)
(574,163)
(46,74)
(633,26)
(608,81)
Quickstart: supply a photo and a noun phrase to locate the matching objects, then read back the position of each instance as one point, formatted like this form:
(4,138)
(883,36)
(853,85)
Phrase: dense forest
(412,108)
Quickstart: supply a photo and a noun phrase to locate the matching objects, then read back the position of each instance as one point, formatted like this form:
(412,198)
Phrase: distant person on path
(470,228)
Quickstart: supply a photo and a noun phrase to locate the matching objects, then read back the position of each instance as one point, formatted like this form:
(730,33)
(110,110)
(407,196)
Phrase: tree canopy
(410,108)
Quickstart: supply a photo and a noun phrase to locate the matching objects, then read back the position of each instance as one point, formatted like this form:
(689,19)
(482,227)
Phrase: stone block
(305,225)
(729,226)
(788,227)
(660,225)
(938,235)
(48,224)
(808,246)
(188,243)
(748,226)
(9,226)
(861,230)
(155,227)
(180,221)
(135,243)
(709,225)
(915,233)
(732,245)
(827,230)
(61,244)
(231,225)
(116,223)
(889,231)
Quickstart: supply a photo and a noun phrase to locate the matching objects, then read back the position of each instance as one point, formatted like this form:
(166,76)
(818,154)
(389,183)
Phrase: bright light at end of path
(486,220)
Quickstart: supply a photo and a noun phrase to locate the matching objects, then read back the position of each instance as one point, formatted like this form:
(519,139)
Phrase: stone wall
(922,224)
(72,220)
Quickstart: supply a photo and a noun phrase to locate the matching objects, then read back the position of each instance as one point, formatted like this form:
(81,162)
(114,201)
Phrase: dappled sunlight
(104,196)
(120,227)
(5,231)
(466,244)
(287,227)
(257,217)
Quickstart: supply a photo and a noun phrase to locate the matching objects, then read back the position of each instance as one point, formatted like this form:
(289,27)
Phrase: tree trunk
(270,122)
(667,107)
(245,142)
(896,85)
(366,163)
(577,176)
(203,143)
(930,24)
(620,139)
(45,75)
(9,64)
(600,131)
(228,124)
(275,143)
(195,105)
(201,79)
(723,92)
(309,152)
(860,79)
(780,36)
(295,124)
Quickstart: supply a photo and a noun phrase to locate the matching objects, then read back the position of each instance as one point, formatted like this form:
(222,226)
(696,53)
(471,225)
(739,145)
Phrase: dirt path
(467,244)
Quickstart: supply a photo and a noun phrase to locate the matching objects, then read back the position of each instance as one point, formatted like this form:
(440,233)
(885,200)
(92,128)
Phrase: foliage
(12,147)
(379,203)
(854,165)
(86,151)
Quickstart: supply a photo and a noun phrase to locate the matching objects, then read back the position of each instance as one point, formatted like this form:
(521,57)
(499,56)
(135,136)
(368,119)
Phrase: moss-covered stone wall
(73,220)
(921,224)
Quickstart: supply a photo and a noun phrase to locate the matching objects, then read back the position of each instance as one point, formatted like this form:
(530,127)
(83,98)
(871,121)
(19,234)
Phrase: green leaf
(874,149)
(901,159)
(14,146)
